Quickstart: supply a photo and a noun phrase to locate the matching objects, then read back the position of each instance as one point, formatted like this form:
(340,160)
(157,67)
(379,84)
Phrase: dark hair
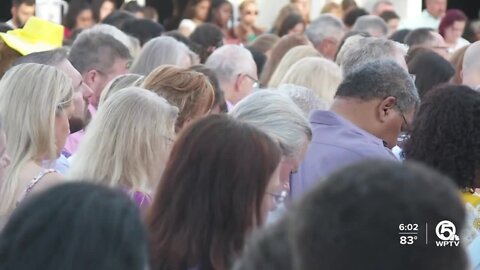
(289,23)
(268,249)
(5,27)
(96,51)
(189,11)
(74,9)
(181,38)
(16,3)
(143,29)
(352,219)
(389,15)
(445,133)
(97,5)
(430,70)
(49,58)
(419,37)
(380,79)
(210,194)
(132,7)
(451,16)
(215,6)
(207,37)
(259,58)
(348,35)
(119,18)
(351,17)
(75,226)
(399,35)
(219,99)
(348,4)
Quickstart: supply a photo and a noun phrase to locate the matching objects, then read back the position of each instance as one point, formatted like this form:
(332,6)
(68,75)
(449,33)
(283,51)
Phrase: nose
(87,92)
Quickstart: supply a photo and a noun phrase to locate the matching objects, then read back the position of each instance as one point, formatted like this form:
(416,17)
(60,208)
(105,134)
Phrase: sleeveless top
(34,181)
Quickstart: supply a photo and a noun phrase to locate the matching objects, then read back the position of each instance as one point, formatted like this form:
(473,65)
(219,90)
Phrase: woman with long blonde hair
(189,90)
(35,104)
(127,143)
(319,74)
(293,55)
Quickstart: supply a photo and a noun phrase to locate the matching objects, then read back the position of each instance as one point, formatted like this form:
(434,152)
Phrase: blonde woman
(119,83)
(189,90)
(127,143)
(293,55)
(319,74)
(35,104)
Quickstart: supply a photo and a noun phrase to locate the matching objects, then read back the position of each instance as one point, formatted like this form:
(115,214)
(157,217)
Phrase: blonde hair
(31,96)
(129,136)
(294,55)
(319,74)
(189,90)
(118,83)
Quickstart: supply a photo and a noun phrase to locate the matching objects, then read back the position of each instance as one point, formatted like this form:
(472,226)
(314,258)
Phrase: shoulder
(49,180)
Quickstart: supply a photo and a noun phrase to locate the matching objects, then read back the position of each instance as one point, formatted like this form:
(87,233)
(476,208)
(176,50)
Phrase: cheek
(285,170)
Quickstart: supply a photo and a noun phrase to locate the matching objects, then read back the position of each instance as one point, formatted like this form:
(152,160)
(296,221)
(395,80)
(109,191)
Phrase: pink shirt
(71,145)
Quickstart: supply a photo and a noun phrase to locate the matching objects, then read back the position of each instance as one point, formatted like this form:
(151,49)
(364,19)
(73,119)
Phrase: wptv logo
(446,232)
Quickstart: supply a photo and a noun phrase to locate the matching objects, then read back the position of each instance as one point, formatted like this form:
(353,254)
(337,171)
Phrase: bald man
(471,66)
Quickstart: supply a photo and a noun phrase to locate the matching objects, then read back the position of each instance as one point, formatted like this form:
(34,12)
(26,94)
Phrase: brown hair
(7,57)
(189,12)
(210,195)
(283,14)
(264,43)
(457,61)
(279,50)
(189,90)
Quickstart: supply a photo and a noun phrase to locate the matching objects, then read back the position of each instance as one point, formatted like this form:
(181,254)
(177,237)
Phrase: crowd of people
(204,142)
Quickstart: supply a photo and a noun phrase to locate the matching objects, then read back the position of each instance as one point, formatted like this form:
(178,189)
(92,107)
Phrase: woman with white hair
(319,74)
(277,115)
(127,144)
(161,51)
(293,56)
(35,104)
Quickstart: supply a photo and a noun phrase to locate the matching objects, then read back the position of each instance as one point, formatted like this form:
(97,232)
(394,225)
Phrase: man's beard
(77,124)
(18,23)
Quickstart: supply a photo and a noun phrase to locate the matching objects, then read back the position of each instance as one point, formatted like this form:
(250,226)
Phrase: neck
(357,112)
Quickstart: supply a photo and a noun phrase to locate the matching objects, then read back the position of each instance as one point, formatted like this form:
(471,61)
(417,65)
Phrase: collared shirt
(424,20)
(336,143)
(230,106)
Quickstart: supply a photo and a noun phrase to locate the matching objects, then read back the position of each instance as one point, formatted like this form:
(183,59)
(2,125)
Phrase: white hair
(161,51)
(277,115)
(360,50)
(303,97)
(130,42)
(371,24)
(324,27)
(31,97)
(127,143)
(319,74)
(230,60)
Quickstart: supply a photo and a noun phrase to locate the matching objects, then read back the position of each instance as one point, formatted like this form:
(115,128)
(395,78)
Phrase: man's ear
(238,83)
(90,77)
(385,108)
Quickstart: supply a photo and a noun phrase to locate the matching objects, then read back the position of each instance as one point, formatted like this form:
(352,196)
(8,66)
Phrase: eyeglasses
(279,197)
(256,83)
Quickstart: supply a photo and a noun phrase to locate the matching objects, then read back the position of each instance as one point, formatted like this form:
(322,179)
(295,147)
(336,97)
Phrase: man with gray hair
(236,72)
(471,66)
(381,6)
(325,33)
(372,106)
(371,24)
(99,58)
(276,115)
(359,50)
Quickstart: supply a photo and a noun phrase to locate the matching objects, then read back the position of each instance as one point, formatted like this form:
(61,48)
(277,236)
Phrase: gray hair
(371,24)
(378,3)
(230,60)
(303,97)
(161,51)
(278,116)
(381,79)
(130,42)
(96,51)
(324,27)
(359,50)
(49,58)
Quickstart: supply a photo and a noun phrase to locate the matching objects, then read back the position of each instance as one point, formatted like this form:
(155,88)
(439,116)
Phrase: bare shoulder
(48,181)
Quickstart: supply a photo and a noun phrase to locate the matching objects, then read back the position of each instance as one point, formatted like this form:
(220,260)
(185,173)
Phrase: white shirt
(461,42)
(424,20)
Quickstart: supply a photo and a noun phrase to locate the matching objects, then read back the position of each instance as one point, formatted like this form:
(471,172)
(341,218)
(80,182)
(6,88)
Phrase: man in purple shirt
(372,106)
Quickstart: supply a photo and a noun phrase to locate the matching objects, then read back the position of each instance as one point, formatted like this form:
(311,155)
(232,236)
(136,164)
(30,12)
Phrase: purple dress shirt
(336,143)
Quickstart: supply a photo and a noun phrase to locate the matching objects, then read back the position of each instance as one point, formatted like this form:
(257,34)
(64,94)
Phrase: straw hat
(37,35)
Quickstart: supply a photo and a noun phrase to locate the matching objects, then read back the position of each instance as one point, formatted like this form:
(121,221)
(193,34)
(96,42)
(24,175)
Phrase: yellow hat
(37,35)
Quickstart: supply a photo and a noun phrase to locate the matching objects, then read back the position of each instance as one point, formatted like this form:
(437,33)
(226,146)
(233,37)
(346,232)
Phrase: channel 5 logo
(446,232)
